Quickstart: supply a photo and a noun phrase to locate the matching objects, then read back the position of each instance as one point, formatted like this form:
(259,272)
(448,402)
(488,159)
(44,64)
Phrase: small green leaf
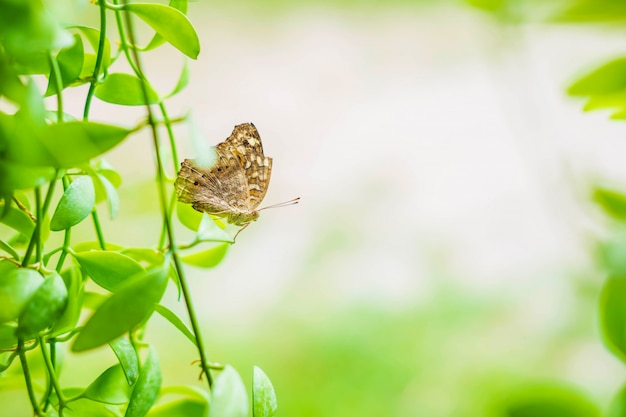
(186,407)
(593,11)
(606,79)
(110,270)
(44,307)
(549,401)
(157,40)
(176,321)
(110,387)
(127,357)
(126,90)
(188,217)
(151,257)
(17,286)
(147,388)
(207,258)
(613,315)
(8,339)
(183,80)
(75,205)
(264,402)
(74,284)
(84,407)
(17,220)
(9,249)
(228,398)
(93,37)
(171,24)
(65,145)
(209,231)
(613,202)
(130,306)
(70,61)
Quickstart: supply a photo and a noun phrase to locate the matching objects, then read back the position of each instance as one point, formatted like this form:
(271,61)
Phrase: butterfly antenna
(283,204)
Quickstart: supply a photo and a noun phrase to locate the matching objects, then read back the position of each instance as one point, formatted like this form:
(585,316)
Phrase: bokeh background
(442,256)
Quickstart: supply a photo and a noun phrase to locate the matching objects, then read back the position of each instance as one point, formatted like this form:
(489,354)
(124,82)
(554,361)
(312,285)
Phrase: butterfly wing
(245,144)
(219,189)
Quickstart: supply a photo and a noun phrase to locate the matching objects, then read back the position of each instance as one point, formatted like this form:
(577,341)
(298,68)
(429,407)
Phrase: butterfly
(235,184)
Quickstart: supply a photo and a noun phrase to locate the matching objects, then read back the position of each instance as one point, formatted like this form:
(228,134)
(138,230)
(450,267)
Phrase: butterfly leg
(239,231)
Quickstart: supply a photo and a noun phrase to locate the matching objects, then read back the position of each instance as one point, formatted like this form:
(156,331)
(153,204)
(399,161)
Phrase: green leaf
(126,90)
(151,257)
(188,217)
(17,220)
(110,387)
(44,308)
(8,340)
(28,27)
(613,315)
(186,407)
(207,258)
(17,286)
(93,37)
(228,398)
(127,357)
(549,401)
(209,231)
(593,11)
(171,24)
(157,40)
(9,249)
(76,204)
(74,284)
(17,176)
(611,201)
(127,308)
(110,270)
(264,402)
(70,61)
(84,407)
(183,80)
(64,145)
(176,321)
(147,388)
(606,79)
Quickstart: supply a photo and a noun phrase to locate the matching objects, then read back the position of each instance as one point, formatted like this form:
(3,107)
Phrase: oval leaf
(44,307)
(207,258)
(75,205)
(132,304)
(66,145)
(127,357)
(613,315)
(228,398)
(110,387)
(170,316)
(264,402)
(74,284)
(109,270)
(171,24)
(17,286)
(147,388)
(125,89)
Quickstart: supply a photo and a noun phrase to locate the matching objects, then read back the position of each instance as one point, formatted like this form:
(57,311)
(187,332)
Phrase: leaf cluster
(92,294)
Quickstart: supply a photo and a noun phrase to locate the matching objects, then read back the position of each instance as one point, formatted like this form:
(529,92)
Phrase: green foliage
(53,177)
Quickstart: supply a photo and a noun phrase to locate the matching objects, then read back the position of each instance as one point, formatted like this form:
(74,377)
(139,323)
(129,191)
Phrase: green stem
(96,225)
(58,84)
(164,207)
(29,383)
(66,237)
(44,209)
(99,58)
(52,374)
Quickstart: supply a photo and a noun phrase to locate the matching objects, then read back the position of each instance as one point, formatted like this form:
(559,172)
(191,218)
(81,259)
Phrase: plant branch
(29,383)
(164,206)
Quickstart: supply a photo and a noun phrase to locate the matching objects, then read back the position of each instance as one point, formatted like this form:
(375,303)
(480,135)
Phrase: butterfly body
(235,184)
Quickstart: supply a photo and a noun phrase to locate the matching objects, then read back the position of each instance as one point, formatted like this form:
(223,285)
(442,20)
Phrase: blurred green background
(441,262)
